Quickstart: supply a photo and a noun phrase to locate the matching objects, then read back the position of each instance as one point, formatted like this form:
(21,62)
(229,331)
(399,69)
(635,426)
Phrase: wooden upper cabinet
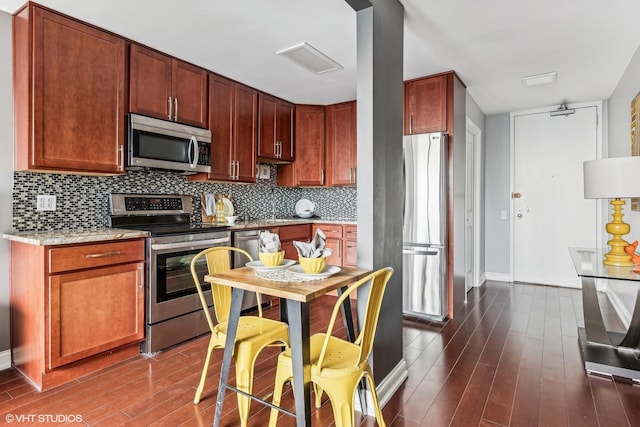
(308,169)
(69,86)
(233,118)
(425,105)
(166,88)
(275,129)
(246,132)
(341,144)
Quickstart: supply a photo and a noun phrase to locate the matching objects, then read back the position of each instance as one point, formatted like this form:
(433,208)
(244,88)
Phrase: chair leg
(281,377)
(318,393)
(343,410)
(374,397)
(205,368)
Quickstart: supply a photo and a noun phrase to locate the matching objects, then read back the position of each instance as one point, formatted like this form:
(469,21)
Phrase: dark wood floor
(512,359)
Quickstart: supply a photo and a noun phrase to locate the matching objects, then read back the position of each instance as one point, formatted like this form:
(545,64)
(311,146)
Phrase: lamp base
(617,228)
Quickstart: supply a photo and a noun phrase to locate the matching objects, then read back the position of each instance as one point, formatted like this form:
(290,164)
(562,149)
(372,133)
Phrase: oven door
(171,291)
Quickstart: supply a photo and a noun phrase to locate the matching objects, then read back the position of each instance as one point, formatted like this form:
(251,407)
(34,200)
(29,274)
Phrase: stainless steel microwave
(161,144)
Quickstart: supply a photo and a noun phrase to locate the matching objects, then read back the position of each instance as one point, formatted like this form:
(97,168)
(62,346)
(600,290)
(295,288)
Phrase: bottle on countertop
(220,217)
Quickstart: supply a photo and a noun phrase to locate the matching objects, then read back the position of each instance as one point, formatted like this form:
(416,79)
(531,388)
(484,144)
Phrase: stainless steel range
(173,310)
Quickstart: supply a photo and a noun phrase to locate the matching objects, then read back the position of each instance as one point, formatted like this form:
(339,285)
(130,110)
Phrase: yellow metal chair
(337,366)
(254,332)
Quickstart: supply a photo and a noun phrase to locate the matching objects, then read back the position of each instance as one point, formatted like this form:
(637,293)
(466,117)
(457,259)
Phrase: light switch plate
(264,172)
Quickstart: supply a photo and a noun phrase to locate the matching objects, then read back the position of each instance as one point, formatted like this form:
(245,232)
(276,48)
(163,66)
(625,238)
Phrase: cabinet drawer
(294,232)
(350,232)
(332,231)
(79,257)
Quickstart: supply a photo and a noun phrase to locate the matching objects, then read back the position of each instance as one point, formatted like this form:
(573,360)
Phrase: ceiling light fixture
(310,58)
(539,79)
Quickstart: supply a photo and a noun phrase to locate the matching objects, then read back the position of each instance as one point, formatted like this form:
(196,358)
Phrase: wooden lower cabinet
(342,238)
(288,234)
(70,318)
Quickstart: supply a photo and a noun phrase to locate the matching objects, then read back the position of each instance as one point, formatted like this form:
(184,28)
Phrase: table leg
(232,328)
(299,334)
(600,349)
(347,318)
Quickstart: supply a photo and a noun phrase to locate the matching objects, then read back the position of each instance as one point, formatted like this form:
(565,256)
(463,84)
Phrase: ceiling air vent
(310,58)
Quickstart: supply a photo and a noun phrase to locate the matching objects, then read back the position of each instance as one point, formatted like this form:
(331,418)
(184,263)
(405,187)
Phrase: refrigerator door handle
(415,252)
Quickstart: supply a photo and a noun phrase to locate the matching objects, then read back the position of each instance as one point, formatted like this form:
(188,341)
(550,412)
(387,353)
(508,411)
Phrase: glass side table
(604,352)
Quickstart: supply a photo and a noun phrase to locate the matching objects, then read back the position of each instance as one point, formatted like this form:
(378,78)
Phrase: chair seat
(340,359)
(258,330)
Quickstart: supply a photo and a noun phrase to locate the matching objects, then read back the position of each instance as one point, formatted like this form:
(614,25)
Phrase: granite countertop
(64,237)
(265,223)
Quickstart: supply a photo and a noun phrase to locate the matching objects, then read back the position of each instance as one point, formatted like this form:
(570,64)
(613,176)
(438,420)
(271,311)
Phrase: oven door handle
(180,245)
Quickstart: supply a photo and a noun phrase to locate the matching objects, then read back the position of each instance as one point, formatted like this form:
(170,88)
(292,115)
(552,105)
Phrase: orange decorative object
(631,250)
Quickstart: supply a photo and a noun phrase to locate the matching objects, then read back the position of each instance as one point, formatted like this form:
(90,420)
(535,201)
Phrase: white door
(550,213)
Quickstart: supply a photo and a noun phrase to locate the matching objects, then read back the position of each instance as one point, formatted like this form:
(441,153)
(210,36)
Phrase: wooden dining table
(296,295)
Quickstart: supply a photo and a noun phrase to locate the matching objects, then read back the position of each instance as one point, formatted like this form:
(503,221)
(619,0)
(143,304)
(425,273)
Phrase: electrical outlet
(264,172)
(46,203)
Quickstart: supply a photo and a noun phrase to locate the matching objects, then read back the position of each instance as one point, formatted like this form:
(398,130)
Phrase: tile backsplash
(82,202)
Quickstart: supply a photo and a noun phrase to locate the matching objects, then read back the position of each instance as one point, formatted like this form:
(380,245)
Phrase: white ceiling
(491,44)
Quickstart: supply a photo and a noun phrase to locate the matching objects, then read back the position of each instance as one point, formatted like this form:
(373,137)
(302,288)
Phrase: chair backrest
(379,280)
(218,260)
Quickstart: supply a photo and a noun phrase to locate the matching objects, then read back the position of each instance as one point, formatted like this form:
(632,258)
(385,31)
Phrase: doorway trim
(599,137)
(477,186)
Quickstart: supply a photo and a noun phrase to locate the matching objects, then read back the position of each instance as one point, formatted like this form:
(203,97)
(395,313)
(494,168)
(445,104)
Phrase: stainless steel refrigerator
(424,256)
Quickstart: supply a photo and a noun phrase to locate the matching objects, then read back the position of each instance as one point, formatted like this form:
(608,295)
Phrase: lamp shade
(612,178)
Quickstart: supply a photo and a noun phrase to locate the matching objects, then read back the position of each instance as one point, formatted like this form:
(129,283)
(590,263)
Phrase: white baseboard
(482,279)
(499,277)
(386,388)
(5,359)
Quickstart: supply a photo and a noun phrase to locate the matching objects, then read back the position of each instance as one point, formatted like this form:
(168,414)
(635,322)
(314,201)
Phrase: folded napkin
(269,242)
(315,248)
(210,204)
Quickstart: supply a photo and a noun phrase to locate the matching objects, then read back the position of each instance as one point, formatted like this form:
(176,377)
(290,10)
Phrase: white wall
(496,166)
(621,294)
(6,171)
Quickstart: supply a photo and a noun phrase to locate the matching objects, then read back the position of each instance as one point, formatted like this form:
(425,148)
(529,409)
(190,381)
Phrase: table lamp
(614,178)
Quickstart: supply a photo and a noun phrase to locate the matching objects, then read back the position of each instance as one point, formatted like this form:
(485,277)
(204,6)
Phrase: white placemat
(284,276)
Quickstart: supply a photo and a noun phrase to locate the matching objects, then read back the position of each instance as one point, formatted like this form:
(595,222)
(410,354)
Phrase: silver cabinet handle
(232,166)
(322,177)
(237,169)
(121,158)
(103,254)
(175,114)
(170,108)
(140,275)
(410,124)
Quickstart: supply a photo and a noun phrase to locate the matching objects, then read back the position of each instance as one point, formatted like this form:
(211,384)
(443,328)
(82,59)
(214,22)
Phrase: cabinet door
(150,83)
(308,169)
(92,311)
(78,96)
(285,135)
(267,111)
(425,103)
(221,99)
(189,90)
(336,257)
(245,128)
(341,144)
(275,129)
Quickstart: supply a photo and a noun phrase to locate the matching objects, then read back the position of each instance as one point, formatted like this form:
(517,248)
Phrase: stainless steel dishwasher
(249,241)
